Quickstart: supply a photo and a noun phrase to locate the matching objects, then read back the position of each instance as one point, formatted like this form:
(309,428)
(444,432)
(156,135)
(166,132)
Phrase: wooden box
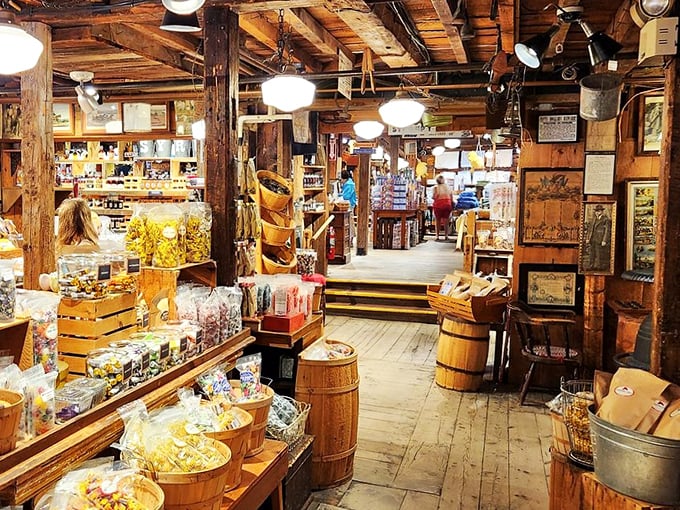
(284,323)
(297,485)
(475,309)
(85,325)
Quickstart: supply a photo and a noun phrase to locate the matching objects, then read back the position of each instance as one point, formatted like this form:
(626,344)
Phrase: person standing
(349,193)
(77,231)
(598,237)
(442,206)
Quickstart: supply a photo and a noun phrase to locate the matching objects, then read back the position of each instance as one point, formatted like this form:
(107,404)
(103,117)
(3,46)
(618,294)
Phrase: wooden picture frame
(550,206)
(11,121)
(598,178)
(107,118)
(557,128)
(650,125)
(597,238)
(159,117)
(62,118)
(551,286)
(185,115)
(641,217)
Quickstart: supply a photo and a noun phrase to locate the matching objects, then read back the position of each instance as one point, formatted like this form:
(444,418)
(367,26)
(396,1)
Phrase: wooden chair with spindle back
(546,337)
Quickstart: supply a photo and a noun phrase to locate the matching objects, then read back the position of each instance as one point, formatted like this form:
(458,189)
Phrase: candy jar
(194,335)
(112,365)
(177,340)
(159,351)
(7,293)
(140,355)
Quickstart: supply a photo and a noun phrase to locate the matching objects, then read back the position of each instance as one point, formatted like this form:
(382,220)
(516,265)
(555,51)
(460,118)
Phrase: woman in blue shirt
(349,193)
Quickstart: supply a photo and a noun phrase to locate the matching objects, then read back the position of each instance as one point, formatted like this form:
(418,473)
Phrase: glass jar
(159,351)
(7,293)
(113,366)
(121,280)
(140,355)
(95,387)
(177,339)
(194,335)
(83,276)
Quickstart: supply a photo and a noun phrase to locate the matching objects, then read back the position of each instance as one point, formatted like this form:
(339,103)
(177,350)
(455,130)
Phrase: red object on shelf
(283,323)
(331,243)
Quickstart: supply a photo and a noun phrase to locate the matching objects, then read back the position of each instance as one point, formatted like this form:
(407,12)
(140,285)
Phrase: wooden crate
(476,309)
(85,325)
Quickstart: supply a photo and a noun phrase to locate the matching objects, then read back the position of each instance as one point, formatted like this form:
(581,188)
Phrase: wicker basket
(576,397)
(9,419)
(271,267)
(277,228)
(293,432)
(269,199)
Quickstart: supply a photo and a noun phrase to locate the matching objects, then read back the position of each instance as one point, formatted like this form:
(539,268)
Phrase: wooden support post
(364,204)
(221,37)
(394,154)
(665,358)
(37,156)
(284,149)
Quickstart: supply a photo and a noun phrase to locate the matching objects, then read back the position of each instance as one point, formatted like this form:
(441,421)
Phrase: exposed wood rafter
(309,28)
(443,9)
(249,6)
(507,19)
(379,29)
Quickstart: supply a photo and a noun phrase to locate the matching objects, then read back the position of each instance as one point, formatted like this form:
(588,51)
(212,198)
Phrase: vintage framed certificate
(599,174)
(551,286)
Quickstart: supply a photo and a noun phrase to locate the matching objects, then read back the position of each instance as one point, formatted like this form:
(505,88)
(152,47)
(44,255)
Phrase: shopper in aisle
(349,193)
(442,206)
(77,231)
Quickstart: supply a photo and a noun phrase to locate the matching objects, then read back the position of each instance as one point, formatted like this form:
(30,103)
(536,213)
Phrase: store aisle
(427,262)
(425,448)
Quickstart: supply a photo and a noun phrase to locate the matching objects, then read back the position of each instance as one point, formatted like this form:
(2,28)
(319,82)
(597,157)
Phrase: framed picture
(62,118)
(650,125)
(557,128)
(550,206)
(11,120)
(599,174)
(551,286)
(185,113)
(641,214)
(107,118)
(159,117)
(596,238)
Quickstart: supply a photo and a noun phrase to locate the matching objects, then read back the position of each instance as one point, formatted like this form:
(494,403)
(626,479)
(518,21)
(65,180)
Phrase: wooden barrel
(259,410)
(201,490)
(9,419)
(237,440)
(332,389)
(560,438)
(462,350)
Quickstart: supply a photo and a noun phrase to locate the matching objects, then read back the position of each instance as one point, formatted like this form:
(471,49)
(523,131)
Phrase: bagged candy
(215,384)
(250,368)
(209,317)
(41,403)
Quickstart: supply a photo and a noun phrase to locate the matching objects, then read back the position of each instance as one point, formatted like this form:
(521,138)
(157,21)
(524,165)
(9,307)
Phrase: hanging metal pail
(600,96)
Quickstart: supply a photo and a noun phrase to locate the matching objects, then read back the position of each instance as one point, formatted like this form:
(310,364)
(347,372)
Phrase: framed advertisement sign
(641,214)
(557,128)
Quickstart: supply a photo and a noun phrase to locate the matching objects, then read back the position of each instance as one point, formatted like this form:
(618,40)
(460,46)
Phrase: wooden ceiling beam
(379,30)
(621,23)
(309,28)
(123,37)
(250,6)
(445,15)
(257,26)
(508,20)
(86,16)
(188,45)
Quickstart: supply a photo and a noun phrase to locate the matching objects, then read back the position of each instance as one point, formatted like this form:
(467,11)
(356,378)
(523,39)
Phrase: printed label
(127,371)
(624,391)
(165,350)
(183,343)
(51,331)
(659,405)
(103,272)
(133,265)
(170,232)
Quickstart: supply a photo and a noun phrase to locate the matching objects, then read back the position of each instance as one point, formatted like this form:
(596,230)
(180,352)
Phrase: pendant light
(368,129)
(183,6)
(438,150)
(21,50)
(287,91)
(401,111)
(173,22)
(531,51)
(601,47)
(452,143)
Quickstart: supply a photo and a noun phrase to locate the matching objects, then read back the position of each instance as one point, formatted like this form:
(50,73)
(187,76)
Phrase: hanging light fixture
(401,111)
(183,6)
(601,47)
(531,51)
(21,50)
(452,143)
(438,150)
(173,22)
(287,91)
(88,97)
(369,129)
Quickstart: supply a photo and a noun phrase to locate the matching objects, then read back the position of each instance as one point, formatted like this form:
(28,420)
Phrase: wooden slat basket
(488,309)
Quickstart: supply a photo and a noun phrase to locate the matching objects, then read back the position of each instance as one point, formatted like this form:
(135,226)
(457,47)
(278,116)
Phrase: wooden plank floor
(422,447)
(427,262)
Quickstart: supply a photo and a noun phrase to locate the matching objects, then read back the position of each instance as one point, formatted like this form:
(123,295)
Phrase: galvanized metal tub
(639,465)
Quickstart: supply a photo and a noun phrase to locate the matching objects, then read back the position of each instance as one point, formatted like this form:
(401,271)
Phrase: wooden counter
(36,464)
(400,215)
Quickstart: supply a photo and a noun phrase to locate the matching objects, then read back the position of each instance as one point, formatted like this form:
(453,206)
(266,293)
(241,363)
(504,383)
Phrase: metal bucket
(639,465)
(181,148)
(146,149)
(600,96)
(163,148)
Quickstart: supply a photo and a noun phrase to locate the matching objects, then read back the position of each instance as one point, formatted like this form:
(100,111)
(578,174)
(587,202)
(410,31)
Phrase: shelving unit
(311,182)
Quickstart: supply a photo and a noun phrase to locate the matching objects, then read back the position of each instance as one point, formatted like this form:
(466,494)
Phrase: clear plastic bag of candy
(250,369)
(215,384)
(41,405)
(209,317)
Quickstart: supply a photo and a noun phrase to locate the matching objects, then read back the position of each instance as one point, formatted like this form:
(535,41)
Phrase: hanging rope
(367,70)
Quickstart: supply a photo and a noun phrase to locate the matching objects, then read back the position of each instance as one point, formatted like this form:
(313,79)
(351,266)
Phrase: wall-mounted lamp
(531,51)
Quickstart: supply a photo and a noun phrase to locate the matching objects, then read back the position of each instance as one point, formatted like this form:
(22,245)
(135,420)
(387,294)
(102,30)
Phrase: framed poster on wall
(557,128)
(641,214)
(597,238)
(551,286)
(650,125)
(550,206)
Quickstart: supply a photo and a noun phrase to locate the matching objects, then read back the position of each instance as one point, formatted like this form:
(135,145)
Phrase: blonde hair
(75,224)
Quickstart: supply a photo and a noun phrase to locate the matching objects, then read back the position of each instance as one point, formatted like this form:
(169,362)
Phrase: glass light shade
(452,143)
(22,50)
(655,8)
(439,150)
(183,6)
(368,129)
(173,22)
(288,92)
(401,112)
(402,164)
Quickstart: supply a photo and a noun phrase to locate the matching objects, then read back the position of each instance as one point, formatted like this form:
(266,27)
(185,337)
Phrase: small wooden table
(261,478)
(401,215)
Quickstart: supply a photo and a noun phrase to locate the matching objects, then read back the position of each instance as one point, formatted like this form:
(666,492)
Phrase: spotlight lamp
(601,47)
(89,98)
(644,10)
(531,51)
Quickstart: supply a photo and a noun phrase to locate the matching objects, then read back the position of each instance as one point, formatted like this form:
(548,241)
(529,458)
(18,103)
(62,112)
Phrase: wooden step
(384,312)
(377,285)
(376,294)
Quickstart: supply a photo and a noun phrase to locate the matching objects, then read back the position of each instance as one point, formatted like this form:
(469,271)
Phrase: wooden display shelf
(35,465)
(261,479)
(112,212)
(13,336)
(306,335)
(144,193)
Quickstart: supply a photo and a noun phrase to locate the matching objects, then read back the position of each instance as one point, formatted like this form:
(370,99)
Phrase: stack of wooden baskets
(278,254)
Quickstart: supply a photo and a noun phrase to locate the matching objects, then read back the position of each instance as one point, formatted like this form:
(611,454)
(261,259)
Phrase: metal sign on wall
(418,131)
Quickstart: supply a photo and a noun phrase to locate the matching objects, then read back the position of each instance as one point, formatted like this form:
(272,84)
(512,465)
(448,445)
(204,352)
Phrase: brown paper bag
(632,394)
(669,424)
(601,383)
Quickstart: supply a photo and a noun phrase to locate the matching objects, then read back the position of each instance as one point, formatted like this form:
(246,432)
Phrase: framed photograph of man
(596,238)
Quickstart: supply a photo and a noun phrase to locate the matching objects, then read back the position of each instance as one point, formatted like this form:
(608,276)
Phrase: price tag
(133,265)
(146,359)
(165,350)
(155,193)
(103,272)
(183,343)
(127,371)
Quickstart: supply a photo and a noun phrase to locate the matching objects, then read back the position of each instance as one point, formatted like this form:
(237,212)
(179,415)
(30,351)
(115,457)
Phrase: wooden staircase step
(403,313)
(376,294)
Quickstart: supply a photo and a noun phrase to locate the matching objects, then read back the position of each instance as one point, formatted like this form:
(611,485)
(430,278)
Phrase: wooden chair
(546,337)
